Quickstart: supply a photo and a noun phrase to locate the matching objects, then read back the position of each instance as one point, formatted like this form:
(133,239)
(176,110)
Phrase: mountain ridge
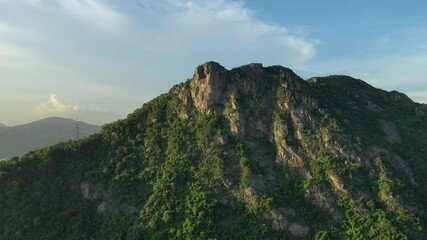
(251,152)
(19,139)
(47,119)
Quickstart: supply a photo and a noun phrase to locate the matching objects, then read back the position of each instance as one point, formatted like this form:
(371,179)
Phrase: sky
(98,60)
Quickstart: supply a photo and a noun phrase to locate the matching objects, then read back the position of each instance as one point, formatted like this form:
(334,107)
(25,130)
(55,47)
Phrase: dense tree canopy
(158,175)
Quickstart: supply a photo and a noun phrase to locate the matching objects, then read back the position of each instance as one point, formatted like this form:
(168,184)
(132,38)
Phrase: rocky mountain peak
(207,85)
(213,86)
(205,70)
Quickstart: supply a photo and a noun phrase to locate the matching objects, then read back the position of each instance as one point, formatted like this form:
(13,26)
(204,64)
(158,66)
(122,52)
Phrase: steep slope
(247,153)
(17,140)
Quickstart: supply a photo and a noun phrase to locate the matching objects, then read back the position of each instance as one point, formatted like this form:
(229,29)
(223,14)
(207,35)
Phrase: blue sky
(98,60)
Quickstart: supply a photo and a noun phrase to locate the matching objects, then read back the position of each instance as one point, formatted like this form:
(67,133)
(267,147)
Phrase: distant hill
(17,140)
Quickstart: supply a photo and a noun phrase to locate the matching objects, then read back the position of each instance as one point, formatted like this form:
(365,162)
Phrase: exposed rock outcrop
(97,194)
(91,191)
(391,132)
(208,86)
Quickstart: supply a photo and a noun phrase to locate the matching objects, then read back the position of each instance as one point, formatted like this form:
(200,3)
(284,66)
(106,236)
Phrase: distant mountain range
(17,140)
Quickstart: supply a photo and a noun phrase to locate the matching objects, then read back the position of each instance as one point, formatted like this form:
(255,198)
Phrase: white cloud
(221,30)
(62,45)
(54,106)
(301,49)
(96,12)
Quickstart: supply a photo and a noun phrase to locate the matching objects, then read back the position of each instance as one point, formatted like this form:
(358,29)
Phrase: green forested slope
(248,153)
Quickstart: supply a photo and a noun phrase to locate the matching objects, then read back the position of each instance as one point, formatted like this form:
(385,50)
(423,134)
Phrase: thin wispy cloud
(403,73)
(7,30)
(119,54)
(34,3)
(99,13)
(15,37)
(18,59)
(223,30)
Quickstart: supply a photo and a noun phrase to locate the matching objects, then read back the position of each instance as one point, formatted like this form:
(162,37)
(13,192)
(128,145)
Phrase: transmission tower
(77,130)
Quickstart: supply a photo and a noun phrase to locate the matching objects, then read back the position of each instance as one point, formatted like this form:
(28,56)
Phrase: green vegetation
(156,175)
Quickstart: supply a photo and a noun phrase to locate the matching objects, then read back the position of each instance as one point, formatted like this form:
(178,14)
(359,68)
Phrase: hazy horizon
(46,118)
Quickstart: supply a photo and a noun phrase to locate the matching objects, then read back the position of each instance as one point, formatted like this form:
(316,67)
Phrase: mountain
(248,153)
(15,141)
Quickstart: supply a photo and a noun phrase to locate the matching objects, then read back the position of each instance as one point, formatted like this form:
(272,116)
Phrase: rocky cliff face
(274,105)
(251,152)
(213,89)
